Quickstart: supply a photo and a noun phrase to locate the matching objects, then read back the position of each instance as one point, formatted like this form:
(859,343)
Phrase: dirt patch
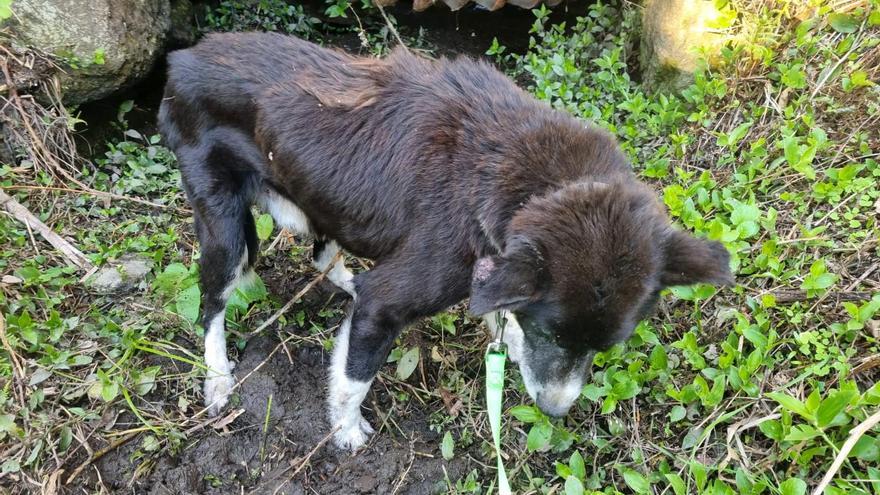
(405,457)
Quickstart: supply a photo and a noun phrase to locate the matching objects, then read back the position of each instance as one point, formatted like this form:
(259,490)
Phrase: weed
(773,152)
(792,195)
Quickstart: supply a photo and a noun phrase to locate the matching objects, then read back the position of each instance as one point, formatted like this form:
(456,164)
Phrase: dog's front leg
(362,345)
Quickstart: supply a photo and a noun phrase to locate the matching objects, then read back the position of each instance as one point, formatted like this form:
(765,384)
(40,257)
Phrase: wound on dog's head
(508,281)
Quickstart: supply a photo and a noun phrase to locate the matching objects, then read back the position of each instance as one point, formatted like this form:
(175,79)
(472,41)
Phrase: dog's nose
(552,408)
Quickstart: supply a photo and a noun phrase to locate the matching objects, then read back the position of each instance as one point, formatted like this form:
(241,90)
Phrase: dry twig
(298,296)
(304,462)
(24,216)
(854,435)
(101,453)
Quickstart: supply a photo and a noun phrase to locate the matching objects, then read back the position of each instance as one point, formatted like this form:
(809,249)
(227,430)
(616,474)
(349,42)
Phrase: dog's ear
(690,260)
(504,282)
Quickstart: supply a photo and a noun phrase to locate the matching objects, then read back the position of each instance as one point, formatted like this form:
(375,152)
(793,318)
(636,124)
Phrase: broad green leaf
(625,387)
(35,452)
(843,23)
(265,226)
(818,279)
(408,363)
(109,390)
(447,447)
(800,433)
(793,486)
(791,404)
(771,428)
(659,358)
(10,466)
(562,470)
(576,463)
(732,138)
(676,483)
(794,77)
(593,392)
(573,486)
(5,9)
(867,448)
(187,303)
(146,380)
(698,473)
(833,405)
(677,414)
(636,481)
(150,444)
(65,439)
(526,414)
(539,436)
(166,283)
(7,425)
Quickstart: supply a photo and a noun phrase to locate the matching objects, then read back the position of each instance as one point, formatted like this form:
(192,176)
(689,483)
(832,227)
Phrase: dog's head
(580,267)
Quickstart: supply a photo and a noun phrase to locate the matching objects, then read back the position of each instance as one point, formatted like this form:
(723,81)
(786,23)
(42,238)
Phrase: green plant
(265,15)
(775,186)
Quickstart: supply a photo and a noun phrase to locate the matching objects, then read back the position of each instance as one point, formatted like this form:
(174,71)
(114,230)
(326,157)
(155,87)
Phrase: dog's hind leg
(226,261)
(219,190)
(323,253)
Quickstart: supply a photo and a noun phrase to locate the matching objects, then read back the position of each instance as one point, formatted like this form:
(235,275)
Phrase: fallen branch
(790,296)
(298,296)
(854,435)
(101,453)
(100,194)
(305,460)
(24,216)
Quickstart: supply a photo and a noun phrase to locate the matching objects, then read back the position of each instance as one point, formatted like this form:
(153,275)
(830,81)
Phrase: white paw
(353,435)
(217,391)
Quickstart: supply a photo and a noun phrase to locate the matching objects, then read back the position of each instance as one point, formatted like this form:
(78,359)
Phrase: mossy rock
(676,34)
(104,45)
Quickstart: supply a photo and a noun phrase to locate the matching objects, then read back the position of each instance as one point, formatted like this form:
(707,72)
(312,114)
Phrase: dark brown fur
(426,167)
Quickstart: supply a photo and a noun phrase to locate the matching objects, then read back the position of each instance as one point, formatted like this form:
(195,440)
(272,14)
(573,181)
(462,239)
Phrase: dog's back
(366,147)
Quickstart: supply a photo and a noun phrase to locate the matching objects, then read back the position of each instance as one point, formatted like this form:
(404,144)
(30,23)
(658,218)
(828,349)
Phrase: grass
(752,390)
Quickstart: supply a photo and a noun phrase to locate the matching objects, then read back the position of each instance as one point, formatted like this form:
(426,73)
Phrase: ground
(763,388)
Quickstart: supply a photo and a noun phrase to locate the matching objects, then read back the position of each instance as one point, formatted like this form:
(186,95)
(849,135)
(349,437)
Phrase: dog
(457,183)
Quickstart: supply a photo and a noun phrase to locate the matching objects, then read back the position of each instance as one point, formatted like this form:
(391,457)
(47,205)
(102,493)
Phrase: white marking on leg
(339,274)
(345,396)
(218,379)
(285,212)
(241,276)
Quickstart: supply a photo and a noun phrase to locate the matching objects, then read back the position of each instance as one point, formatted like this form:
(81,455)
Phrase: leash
(496,354)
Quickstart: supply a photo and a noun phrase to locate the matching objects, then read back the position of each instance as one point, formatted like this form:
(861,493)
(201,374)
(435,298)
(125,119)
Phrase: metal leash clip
(498,345)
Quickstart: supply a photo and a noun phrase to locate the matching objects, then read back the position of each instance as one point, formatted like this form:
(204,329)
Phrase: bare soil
(402,457)
(230,461)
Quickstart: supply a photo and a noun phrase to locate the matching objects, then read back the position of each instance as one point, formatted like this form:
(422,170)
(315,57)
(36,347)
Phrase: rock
(122,276)
(365,484)
(183,27)
(674,32)
(105,44)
